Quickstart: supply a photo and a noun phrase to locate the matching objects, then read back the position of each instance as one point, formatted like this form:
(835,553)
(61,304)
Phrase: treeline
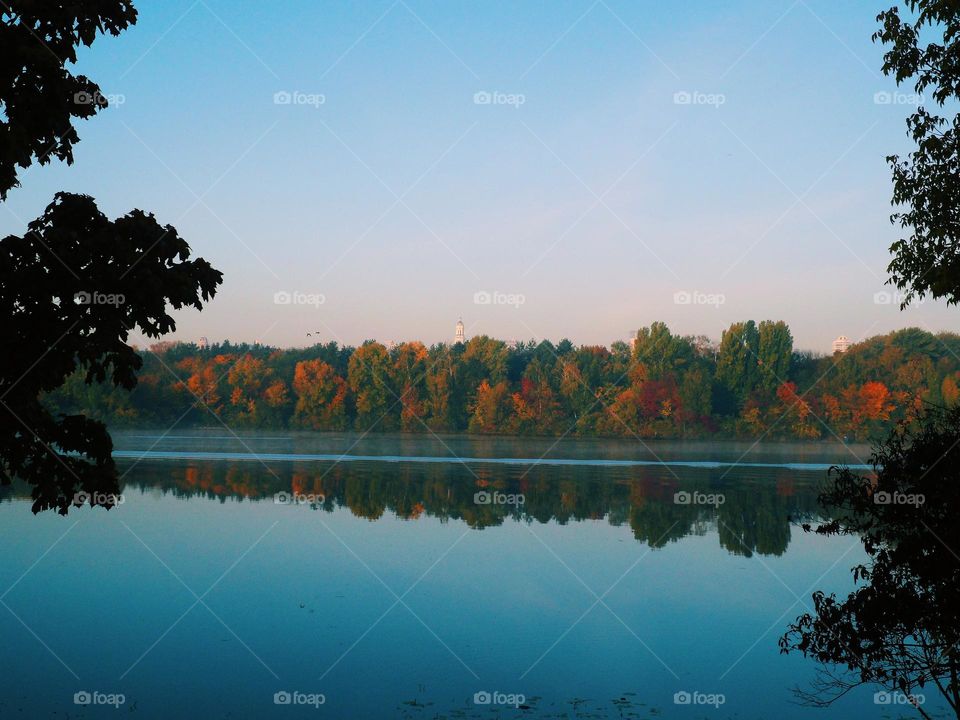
(753,383)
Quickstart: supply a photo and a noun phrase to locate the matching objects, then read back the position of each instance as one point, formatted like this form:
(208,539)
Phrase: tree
(132,269)
(39,96)
(491,409)
(660,351)
(369,376)
(409,378)
(926,183)
(774,351)
(737,360)
(321,396)
(76,284)
(900,627)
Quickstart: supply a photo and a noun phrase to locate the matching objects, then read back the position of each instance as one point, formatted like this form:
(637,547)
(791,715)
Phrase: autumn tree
(321,396)
(409,379)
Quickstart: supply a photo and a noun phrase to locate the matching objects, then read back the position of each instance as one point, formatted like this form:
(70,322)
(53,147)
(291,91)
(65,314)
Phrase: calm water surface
(239,569)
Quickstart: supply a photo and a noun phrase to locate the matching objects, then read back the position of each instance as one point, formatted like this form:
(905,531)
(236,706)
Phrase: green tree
(737,360)
(923,52)
(369,375)
(774,351)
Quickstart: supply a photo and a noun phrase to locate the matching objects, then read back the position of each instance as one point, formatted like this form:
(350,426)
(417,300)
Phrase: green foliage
(487,386)
(923,52)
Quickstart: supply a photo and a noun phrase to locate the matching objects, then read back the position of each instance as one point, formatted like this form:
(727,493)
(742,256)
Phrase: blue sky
(630,151)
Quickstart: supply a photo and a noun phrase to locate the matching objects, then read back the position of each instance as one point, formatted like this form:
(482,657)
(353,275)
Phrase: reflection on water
(751,510)
(417,589)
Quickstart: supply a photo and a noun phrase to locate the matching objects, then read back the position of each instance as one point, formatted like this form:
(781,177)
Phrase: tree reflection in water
(752,510)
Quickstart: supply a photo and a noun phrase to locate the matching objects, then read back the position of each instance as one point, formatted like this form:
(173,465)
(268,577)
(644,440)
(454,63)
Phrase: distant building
(204,343)
(841,344)
(459,338)
(633,339)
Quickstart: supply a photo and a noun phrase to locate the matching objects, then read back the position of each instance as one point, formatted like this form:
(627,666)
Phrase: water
(385,586)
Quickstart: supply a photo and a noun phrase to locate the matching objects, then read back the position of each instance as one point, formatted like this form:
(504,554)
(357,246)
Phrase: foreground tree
(76,284)
(57,320)
(900,628)
(923,52)
(39,96)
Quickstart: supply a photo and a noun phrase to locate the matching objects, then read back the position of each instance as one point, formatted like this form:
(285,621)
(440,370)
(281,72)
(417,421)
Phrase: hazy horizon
(594,159)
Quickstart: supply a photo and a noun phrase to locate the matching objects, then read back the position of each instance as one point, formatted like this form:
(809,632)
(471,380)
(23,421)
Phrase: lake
(265,575)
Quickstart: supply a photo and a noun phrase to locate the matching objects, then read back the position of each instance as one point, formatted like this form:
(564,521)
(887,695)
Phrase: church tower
(459,338)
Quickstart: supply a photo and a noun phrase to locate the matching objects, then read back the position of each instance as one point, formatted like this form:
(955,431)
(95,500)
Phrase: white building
(203,344)
(841,344)
(459,338)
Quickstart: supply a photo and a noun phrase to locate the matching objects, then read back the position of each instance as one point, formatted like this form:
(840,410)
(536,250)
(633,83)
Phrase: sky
(572,168)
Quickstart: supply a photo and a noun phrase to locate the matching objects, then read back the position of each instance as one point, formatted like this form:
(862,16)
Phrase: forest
(753,383)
